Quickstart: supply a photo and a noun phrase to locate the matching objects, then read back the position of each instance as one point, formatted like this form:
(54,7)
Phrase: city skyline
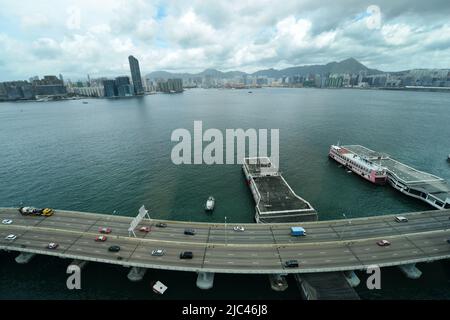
(93,38)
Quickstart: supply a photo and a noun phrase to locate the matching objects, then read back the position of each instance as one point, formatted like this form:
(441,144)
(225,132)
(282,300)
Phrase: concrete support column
(24,257)
(410,270)
(205,280)
(136,274)
(352,278)
(278,282)
(80,263)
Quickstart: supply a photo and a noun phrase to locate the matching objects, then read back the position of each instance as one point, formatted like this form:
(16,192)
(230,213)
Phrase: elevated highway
(335,245)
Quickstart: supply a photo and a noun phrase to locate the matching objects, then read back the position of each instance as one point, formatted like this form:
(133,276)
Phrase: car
(11,237)
(144,229)
(186,255)
(29,210)
(448,240)
(291,264)
(401,219)
(114,249)
(100,238)
(52,245)
(7,221)
(161,225)
(239,228)
(47,212)
(189,232)
(383,243)
(104,230)
(158,252)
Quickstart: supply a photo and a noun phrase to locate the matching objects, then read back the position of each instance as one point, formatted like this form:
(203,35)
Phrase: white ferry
(364,167)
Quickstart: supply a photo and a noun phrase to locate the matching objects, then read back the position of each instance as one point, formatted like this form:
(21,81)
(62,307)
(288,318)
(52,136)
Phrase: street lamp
(226,241)
(349,222)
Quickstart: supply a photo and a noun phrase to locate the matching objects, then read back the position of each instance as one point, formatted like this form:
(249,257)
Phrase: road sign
(135,222)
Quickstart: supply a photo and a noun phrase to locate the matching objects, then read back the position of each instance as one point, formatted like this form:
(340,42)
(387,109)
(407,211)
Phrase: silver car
(158,252)
(11,237)
(7,221)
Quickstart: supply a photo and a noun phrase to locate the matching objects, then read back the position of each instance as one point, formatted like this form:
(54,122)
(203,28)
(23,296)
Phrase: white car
(401,219)
(11,237)
(239,228)
(7,221)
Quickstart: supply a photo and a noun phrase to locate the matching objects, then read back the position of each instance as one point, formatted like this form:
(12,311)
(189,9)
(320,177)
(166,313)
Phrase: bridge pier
(410,270)
(80,263)
(24,257)
(352,278)
(278,282)
(136,274)
(205,280)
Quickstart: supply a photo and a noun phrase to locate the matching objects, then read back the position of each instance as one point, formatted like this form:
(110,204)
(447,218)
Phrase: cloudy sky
(79,37)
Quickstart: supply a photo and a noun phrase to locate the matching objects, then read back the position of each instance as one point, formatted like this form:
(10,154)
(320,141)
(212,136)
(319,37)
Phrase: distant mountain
(350,65)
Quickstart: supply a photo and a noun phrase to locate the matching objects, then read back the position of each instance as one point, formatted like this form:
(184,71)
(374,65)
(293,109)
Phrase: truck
(298,231)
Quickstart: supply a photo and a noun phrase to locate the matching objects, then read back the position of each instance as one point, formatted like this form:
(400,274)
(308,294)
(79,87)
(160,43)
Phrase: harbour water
(114,155)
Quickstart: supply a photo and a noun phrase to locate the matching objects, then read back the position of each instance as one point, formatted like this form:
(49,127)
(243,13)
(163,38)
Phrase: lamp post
(349,222)
(226,240)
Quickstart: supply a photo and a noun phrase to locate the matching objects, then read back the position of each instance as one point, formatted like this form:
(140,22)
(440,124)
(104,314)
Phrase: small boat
(158,287)
(210,204)
(85,102)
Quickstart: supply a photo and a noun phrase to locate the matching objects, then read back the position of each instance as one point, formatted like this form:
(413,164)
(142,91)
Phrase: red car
(100,238)
(383,243)
(104,230)
(144,229)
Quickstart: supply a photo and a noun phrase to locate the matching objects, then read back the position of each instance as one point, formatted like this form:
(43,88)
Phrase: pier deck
(422,185)
(274,198)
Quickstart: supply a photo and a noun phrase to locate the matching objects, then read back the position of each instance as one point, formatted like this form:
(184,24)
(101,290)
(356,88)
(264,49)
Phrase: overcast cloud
(81,37)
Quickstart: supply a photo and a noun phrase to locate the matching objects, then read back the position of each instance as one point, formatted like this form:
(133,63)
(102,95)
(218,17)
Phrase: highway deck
(262,248)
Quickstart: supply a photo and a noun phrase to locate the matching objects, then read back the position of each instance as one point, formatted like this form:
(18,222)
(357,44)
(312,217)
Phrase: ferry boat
(364,167)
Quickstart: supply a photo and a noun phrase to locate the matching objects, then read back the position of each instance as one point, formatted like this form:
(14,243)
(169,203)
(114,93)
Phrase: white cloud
(231,34)
(46,48)
(34,20)
(396,34)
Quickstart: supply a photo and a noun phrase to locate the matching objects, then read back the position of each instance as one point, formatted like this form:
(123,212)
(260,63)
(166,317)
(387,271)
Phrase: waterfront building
(109,88)
(136,75)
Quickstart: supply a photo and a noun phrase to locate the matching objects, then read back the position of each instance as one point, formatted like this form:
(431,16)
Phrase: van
(186,255)
(298,231)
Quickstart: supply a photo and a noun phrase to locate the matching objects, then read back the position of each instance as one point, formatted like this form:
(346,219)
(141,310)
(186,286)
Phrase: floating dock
(275,201)
(418,184)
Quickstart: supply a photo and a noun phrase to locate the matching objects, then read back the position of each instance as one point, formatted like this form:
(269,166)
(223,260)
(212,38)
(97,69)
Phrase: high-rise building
(136,75)
(109,88)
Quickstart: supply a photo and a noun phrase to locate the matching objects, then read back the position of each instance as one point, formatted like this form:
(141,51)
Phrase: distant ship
(366,168)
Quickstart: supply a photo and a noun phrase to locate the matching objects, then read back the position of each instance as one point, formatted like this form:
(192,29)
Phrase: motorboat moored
(210,203)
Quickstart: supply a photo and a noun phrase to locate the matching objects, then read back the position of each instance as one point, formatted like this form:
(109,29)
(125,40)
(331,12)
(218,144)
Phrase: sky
(95,37)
